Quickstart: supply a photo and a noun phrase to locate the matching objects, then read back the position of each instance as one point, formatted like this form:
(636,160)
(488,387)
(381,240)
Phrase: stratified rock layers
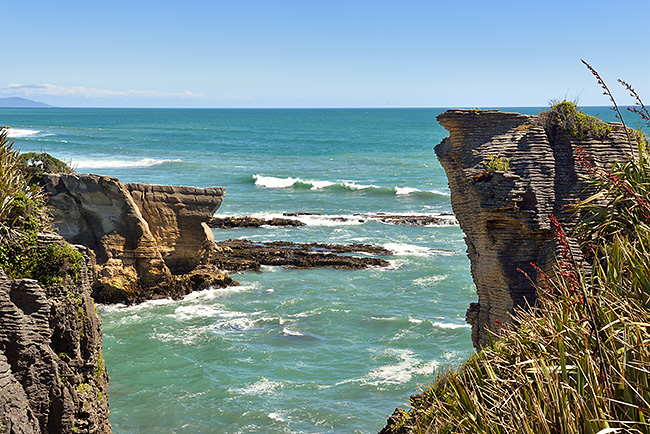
(504,215)
(177,217)
(147,238)
(52,374)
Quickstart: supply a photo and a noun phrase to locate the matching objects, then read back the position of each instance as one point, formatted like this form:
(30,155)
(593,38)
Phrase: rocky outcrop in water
(250,222)
(245,255)
(230,222)
(504,215)
(52,373)
(148,239)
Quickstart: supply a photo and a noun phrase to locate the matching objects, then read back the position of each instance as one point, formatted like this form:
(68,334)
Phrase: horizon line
(301,108)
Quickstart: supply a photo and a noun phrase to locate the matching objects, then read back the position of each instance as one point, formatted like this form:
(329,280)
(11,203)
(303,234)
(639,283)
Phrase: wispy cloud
(89,92)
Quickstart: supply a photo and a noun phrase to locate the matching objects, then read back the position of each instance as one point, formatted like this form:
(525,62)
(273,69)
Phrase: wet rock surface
(245,255)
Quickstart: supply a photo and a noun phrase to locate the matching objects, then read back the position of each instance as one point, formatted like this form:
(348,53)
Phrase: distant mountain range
(21,102)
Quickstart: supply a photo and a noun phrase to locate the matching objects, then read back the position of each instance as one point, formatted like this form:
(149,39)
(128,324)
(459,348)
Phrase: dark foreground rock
(505,214)
(245,255)
(52,373)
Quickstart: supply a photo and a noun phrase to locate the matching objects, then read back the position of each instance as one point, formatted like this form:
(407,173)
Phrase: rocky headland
(150,241)
(504,214)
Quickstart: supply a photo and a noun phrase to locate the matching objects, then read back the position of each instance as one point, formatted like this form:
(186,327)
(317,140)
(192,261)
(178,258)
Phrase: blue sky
(282,53)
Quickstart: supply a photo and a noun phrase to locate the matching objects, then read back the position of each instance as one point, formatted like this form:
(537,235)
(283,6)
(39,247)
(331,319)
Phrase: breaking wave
(19,133)
(118,164)
(298,183)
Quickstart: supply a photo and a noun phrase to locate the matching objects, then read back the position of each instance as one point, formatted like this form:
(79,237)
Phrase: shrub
(565,115)
(35,164)
(496,162)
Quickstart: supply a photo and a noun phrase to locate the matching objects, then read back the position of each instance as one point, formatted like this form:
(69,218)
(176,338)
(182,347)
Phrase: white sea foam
(277,416)
(328,220)
(147,305)
(237,324)
(19,133)
(450,326)
(430,280)
(195,311)
(263,386)
(355,186)
(185,336)
(273,182)
(401,249)
(119,164)
(288,332)
(402,191)
(318,185)
(400,372)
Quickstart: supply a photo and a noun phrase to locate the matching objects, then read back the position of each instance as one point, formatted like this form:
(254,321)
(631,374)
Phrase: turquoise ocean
(288,351)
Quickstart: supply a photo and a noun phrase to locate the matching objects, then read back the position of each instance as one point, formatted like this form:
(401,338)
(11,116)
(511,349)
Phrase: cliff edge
(504,214)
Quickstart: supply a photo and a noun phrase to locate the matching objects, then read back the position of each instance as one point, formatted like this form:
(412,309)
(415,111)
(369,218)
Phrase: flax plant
(22,205)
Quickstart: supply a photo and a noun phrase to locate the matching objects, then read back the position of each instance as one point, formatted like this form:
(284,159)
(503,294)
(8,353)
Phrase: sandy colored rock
(145,237)
(175,215)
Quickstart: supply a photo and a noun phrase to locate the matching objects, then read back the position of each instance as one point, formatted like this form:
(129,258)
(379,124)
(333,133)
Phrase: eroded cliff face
(177,217)
(52,373)
(150,240)
(504,215)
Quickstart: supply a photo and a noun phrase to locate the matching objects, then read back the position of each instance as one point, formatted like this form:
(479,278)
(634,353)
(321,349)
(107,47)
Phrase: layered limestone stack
(504,215)
(52,374)
(148,239)
(177,217)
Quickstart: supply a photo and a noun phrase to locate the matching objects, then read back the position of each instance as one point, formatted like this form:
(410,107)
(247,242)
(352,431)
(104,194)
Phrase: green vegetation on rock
(23,215)
(35,164)
(497,163)
(568,117)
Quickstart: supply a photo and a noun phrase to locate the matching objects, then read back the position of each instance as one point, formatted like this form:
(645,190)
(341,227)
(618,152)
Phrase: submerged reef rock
(148,239)
(52,373)
(504,213)
(245,255)
(250,222)
(230,222)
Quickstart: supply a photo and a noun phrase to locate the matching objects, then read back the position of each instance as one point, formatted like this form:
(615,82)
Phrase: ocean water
(288,351)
